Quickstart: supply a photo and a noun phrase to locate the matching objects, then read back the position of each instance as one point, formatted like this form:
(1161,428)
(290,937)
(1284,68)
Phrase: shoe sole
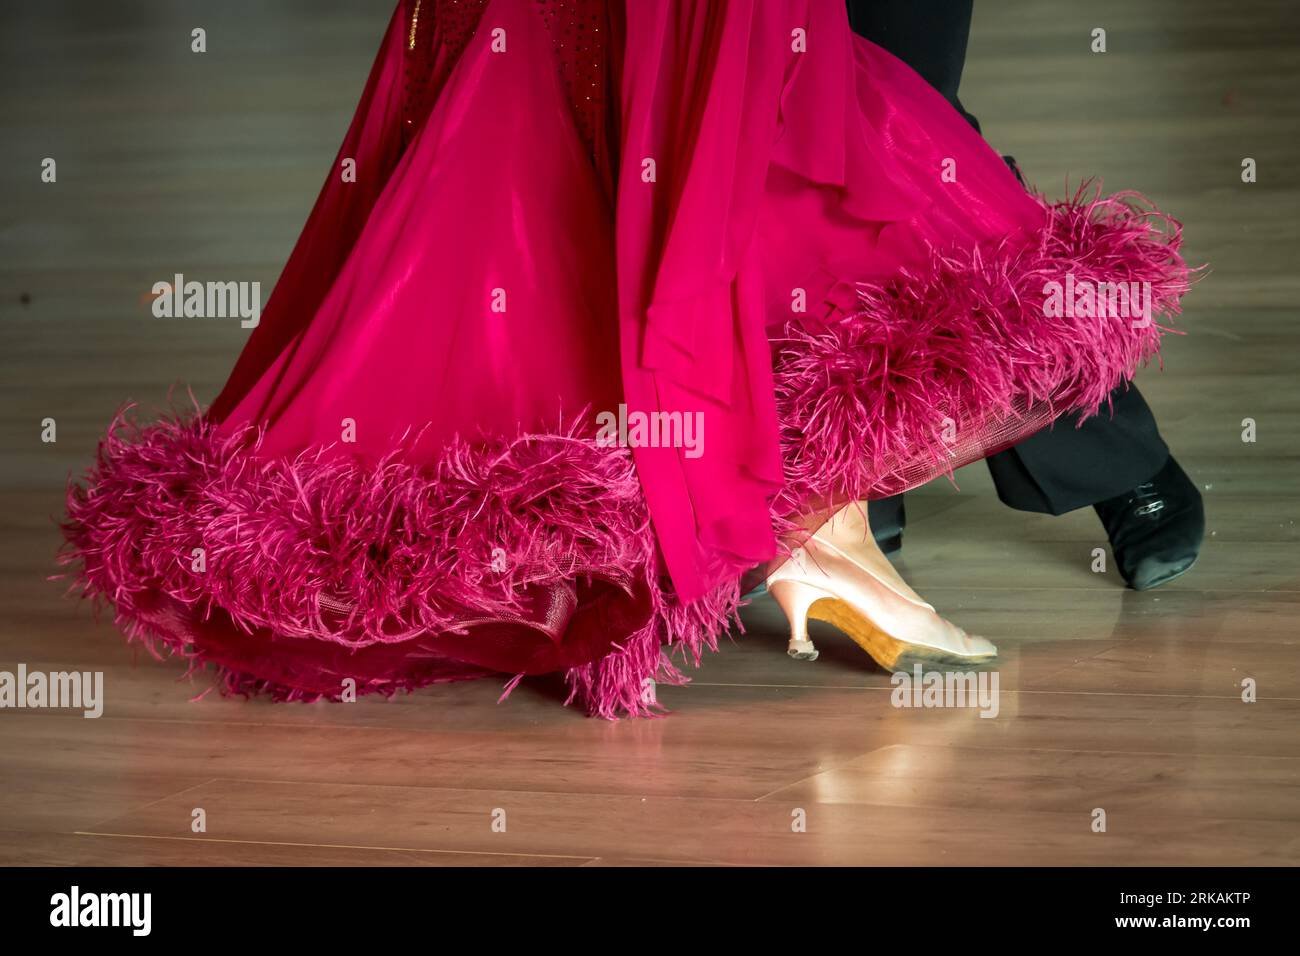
(1165,580)
(883,648)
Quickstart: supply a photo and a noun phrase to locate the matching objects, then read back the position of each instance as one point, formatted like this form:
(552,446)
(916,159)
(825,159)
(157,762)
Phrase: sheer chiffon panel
(692,318)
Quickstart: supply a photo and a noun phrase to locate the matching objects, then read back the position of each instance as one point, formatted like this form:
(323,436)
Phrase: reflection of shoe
(839,575)
(1156,529)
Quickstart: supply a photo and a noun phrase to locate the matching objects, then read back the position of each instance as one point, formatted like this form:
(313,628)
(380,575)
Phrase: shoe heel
(795,598)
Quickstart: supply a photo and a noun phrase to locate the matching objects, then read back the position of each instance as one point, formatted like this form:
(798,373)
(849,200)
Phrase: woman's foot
(840,576)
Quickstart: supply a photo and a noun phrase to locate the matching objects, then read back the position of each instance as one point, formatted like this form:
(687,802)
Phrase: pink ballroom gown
(731,211)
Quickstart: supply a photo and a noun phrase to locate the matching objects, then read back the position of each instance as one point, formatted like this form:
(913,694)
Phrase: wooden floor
(172,162)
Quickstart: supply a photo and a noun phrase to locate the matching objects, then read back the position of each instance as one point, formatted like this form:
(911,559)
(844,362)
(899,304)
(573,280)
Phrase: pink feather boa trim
(326,548)
(941,366)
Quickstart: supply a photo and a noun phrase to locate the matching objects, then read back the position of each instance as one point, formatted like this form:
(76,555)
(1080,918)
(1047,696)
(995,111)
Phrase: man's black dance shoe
(1156,529)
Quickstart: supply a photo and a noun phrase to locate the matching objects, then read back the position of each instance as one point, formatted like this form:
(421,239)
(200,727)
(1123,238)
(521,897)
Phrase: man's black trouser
(1062,467)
